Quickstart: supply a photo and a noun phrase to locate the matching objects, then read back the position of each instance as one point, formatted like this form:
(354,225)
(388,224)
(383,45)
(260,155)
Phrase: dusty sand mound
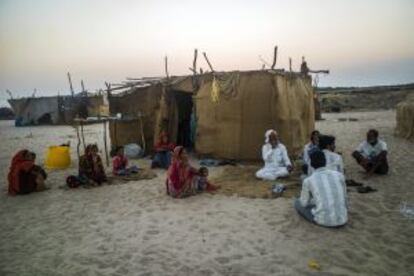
(241,181)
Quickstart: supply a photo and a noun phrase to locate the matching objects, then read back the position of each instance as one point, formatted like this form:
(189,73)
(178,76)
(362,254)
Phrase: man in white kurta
(334,161)
(275,157)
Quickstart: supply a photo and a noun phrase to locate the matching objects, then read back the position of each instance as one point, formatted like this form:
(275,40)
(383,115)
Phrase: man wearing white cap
(275,157)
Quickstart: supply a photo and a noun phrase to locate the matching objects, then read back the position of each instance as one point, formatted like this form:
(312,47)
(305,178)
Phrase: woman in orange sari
(182,179)
(24,176)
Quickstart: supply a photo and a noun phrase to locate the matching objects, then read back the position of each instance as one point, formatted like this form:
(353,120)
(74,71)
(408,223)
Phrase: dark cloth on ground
(379,162)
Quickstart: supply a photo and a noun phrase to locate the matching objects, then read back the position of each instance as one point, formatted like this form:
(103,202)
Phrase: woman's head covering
(268,133)
(19,163)
(177,152)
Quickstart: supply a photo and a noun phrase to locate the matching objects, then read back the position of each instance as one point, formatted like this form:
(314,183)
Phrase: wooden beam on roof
(70,85)
(208,62)
(274,58)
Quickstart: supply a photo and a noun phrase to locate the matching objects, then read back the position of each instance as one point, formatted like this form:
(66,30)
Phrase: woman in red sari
(24,176)
(182,179)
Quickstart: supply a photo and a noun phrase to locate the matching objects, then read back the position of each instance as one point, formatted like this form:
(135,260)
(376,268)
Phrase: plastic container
(58,157)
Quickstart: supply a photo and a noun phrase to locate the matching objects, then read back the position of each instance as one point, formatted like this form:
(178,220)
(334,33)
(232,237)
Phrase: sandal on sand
(353,183)
(366,189)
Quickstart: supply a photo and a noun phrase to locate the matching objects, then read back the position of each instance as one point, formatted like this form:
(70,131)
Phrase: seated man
(372,154)
(275,157)
(310,147)
(323,197)
(333,160)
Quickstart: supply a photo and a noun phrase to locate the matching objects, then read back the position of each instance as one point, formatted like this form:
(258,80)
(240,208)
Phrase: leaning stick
(83,136)
(274,58)
(105,144)
(290,64)
(144,146)
(79,140)
(70,85)
(208,62)
(166,67)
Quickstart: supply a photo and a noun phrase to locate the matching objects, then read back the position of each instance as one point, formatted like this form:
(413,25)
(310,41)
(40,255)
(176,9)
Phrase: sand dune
(135,229)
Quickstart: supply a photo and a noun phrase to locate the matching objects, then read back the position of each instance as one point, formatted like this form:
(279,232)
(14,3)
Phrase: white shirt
(334,162)
(275,157)
(306,150)
(326,189)
(369,151)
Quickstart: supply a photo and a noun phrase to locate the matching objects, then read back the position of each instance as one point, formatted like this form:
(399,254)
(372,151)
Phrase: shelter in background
(232,111)
(55,109)
(405,119)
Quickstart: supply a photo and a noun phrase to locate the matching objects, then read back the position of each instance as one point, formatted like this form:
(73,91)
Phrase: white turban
(268,133)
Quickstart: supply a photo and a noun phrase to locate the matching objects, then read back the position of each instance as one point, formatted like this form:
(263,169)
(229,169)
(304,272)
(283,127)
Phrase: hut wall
(234,127)
(141,100)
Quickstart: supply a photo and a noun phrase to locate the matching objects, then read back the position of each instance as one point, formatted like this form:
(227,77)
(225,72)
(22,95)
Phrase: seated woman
(275,157)
(120,164)
(163,149)
(184,180)
(91,169)
(310,147)
(24,176)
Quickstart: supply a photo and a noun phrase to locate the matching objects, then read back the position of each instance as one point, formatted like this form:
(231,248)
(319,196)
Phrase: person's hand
(289,168)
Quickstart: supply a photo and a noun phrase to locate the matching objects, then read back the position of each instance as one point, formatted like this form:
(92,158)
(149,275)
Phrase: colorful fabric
(181,177)
(119,163)
(19,176)
(90,168)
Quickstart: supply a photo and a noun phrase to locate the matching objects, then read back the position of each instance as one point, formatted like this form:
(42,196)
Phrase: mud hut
(55,109)
(405,119)
(232,112)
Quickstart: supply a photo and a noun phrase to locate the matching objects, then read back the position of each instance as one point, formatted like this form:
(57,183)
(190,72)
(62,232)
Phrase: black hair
(314,133)
(318,159)
(325,141)
(203,169)
(374,132)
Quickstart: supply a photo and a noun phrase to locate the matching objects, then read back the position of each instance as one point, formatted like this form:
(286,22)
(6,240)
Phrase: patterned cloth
(326,189)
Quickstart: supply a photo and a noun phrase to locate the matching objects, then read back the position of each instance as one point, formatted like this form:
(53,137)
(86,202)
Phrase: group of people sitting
(323,198)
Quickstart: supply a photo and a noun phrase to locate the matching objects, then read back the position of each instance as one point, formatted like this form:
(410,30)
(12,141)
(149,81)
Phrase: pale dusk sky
(363,43)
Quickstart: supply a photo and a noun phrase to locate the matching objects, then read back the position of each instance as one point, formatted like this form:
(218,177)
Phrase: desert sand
(135,229)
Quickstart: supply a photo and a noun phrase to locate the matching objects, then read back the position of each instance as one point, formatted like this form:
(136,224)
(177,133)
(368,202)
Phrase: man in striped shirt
(334,161)
(323,198)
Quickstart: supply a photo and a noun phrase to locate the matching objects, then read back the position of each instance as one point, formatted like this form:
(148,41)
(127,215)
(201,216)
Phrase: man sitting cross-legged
(323,198)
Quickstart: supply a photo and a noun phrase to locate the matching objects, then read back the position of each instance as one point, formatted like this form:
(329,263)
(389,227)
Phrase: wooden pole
(208,62)
(83,86)
(70,85)
(290,64)
(144,146)
(195,81)
(274,58)
(79,140)
(105,144)
(166,67)
(83,136)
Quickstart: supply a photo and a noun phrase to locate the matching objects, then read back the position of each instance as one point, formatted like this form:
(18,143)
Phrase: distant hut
(405,119)
(55,109)
(232,111)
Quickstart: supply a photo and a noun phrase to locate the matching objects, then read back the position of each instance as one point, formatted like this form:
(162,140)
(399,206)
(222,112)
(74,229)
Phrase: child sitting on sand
(120,164)
(203,183)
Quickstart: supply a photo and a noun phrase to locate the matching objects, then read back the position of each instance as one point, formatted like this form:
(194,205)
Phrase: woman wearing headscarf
(91,168)
(163,149)
(275,157)
(24,176)
(184,180)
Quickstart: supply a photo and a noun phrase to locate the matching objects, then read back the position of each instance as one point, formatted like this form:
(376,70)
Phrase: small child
(120,164)
(203,183)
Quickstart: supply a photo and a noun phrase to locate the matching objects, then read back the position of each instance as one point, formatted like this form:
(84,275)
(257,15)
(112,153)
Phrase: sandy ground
(134,229)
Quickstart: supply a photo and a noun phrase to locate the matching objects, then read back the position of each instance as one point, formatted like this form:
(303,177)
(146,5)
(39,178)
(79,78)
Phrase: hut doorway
(184,101)
(45,119)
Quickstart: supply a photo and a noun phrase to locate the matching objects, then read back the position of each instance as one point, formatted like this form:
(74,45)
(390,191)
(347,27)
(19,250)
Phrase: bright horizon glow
(361,42)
